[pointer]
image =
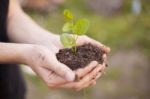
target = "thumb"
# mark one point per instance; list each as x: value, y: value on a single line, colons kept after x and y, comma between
x: 62, y: 70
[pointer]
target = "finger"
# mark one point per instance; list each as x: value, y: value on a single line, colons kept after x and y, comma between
x: 105, y: 59
x: 43, y: 73
x: 89, y: 84
x: 86, y: 85
x: 69, y: 85
x: 103, y: 67
x: 100, y: 45
x: 50, y: 78
x: 72, y: 85
x: 83, y: 71
x: 84, y: 80
x: 61, y: 69
x: 76, y: 85
x: 92, y: 84
x: 55, y: 79
x: 98, y: 75
x: 97, y: 70
x: 80, y: 84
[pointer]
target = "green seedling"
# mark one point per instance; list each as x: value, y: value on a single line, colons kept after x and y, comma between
x: 72, y: 29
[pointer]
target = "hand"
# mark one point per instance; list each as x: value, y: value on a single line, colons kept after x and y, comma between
x: 83, y: 72
x: 43, y: 61
x: 85, y: 40
x: 87, y: 77
x: 53, y: 73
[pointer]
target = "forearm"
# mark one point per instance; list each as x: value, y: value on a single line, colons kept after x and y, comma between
x: 12, y: 53
x: 22, y: 29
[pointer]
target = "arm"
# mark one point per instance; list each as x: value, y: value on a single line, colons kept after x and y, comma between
x: 22, y: 29
x: 12, y: 53
x: 41, y: 60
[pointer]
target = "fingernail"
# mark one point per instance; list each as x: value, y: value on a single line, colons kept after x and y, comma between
x: 70, y: 76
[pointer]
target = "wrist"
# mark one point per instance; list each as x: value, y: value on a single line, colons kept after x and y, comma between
x: 20, y: 52
x: 32, y: 54
x: 27, y: 53
x: 23, y: 54
x: 12, y: 53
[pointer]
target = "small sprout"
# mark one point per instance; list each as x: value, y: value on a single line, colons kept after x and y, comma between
x: 80, y: 27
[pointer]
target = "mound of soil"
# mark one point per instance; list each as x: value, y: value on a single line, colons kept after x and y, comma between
x: 83, y: 56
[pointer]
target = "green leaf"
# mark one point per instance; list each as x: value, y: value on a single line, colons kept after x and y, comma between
x: 67, y: 27
x: 68, y: 14
x: 67, y: 40
x: 81, y: 26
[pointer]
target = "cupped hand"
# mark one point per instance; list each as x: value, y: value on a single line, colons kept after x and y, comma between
x: 57, y: 75
x: 41, y: 59
x: 86, y: 76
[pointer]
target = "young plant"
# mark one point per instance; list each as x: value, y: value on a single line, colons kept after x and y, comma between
x: 72, y: 29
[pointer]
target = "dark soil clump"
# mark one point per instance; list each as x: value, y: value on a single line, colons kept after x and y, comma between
x: 83, y: 56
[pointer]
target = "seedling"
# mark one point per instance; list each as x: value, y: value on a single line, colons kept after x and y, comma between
x: 72, y: 29
x: 70, y: 32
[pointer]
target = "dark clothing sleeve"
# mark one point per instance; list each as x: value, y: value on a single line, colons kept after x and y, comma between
x: 3, y: 20
x: 11, y: 82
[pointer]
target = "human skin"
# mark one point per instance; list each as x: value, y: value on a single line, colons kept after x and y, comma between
x: 36, y: 47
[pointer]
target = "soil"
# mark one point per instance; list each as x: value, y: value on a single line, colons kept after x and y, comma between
x: 83, y: 56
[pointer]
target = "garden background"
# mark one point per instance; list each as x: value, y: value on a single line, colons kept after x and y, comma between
x: 123, y: 25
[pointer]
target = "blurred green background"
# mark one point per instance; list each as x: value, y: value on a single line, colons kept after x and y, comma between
x: 124, y: 25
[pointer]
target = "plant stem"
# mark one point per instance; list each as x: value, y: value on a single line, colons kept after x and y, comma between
x: 76, y: 37
x: 74, y: 43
